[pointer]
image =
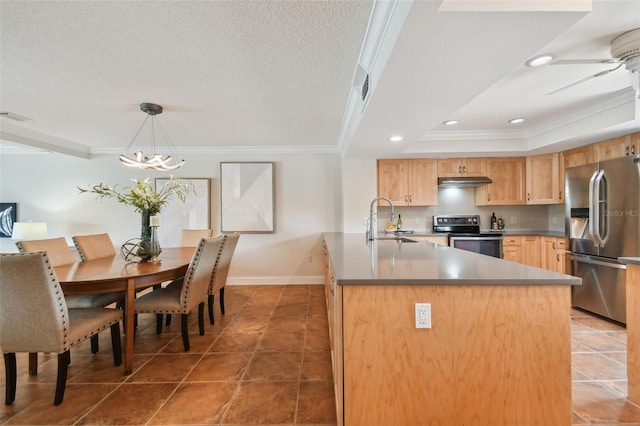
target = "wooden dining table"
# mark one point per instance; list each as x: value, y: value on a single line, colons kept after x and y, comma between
x: 113, y: 273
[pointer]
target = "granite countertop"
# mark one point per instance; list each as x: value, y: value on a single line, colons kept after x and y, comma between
x: 630, y: 260
x: 557, y: 234
x: 357, y: 261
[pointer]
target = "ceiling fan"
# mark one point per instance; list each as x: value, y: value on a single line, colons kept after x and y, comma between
x: 625, y: 50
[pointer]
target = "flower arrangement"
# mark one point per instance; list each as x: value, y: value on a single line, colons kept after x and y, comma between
x: 142, y: 196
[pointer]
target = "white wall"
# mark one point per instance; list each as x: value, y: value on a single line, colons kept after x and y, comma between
x: 307, y: 190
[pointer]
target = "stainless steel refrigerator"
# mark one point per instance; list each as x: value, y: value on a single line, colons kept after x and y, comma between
x: 603, y: 223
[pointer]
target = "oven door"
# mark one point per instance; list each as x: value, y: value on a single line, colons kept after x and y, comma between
x: 488, y: 245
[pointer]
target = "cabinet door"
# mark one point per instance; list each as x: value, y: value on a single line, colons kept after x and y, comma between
x: 449, y: 167
x: 549, y: 258
x: 393, y: 181
x: 511, y: 249
x: 508, y: 187
x: 543, y: 179
x: 613, y: 148
x: 474, y: 167
x: 579, y: 156
x: 435, y: 239
x: 531, y: 250
x: 423, y: 182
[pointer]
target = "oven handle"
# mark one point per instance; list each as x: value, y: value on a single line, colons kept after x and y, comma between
x: 451, y: 237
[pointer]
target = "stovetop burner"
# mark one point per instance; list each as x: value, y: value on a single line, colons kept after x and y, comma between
x: 457, y: 224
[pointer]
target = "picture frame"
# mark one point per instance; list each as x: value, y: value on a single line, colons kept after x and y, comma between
x: 194, y: 213
x: 247, y: 198
x: 8, y: 216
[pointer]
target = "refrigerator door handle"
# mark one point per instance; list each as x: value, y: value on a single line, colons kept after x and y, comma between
x: 592, y: 209
x: 603, y: 207
x: 597, y: 262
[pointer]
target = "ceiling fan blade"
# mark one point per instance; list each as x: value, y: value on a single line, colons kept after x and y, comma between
x: 584, y: 61
x: 575, y: 83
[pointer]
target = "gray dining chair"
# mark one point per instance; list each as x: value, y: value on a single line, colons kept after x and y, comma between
x: 192, y: 237
x: 192, y: 292
x: 34, y: 317
x: 60, y: 253
x: 221, y: 272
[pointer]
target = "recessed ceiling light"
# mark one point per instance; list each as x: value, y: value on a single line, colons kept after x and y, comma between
x: 540, y: 60
x: 397, y: 138
x: 516, y: 120
x: 451, y: 122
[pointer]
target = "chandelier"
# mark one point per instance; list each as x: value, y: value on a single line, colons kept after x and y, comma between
x: 156, y: 161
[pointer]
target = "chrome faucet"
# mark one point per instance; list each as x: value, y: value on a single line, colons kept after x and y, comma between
x: 370, y: 228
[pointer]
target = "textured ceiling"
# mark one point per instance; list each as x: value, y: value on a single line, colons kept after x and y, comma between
x: 278, y: 75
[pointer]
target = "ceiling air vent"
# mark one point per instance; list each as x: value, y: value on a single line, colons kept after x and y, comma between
x: 365, y: 87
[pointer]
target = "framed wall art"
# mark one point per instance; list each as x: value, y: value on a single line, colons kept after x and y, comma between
x: 247, y: 197
x: 8, y: 216
x: 194, y: 213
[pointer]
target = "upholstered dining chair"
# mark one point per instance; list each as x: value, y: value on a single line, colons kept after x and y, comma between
x: 59, y: 253
x: 221, y: 271
x: 192, y: 237
x: 94, y: 246
x: 181, y: 299
x: 35, y: 318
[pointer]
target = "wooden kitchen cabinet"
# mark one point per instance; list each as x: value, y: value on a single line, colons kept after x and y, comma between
x: 409, y: 182
x: 512, y: 248
x: 531, y: 250
x: 508, y: 187
x: 456, y: 167
x: 624, y: 146
x: 545, y: 184
x: 579, y: 156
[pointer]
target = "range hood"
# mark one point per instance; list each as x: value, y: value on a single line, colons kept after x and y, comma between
x: 463, y: 182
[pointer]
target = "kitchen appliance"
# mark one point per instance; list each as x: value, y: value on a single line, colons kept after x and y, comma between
x: 464, y: 233
x: 603, y: 222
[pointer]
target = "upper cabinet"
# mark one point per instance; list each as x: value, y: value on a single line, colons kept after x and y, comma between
x: 508, y: 187
x: 545, y: 179
x: 409, y: 182
x: 580, y: 156
x: 624, y: 146
x: 456, y: 167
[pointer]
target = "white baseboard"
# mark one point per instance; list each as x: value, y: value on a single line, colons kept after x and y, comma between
x: 292, y: 280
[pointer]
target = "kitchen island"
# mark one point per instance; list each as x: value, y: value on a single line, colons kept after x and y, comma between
x: 633, y: 327
x: 498, y: 351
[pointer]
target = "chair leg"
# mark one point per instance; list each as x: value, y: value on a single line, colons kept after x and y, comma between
x: 167, y: 322
x: 61, y: 383
x: 116, y: 344
x: 33, y: 363
x: 210, y: 303
x: 185, y: 332
x: 11, y: 374
x: 158, y: 323
x: 201, y: 318
x: 94, y: 344
x: 222, y: 300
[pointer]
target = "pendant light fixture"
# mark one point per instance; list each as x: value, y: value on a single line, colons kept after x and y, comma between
x: 156, y: 161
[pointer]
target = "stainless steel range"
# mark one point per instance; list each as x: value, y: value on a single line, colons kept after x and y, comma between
x: 464, y: 233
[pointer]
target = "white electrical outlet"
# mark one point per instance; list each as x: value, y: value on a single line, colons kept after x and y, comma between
x: 423, y: 315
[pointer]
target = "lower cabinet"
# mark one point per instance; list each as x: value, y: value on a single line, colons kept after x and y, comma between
x: 542, y: 252
x: 435, y: 239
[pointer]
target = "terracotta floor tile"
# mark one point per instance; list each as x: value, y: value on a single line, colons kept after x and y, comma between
x: 598, y: 367
x: 274, y: 366
x: 597, y: 404
x: 229, y: 341
x: 290, y: 311
x: 294, y: 299
x: 316, y: 365
x: 263, y: 403
x: 130, y: 404
x: 275, y: 340
x: 156, y: 369
x: 196, y: 403
x: 316, y: 340
x: 599, y: 342
x: 247, y: 325
x: 220, y: 366
x: 198, y: 344
x: 316, y: 403
x: 286, y: 324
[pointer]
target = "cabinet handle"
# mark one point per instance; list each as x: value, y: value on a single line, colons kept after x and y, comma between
x: 464, y: 169
x: 559, y: 195
x: 558, y: 258
x: 410, y: 198
x: 626, y: 150
x: 528, y: 197
x: 553, y: 244
x: 459, y: 169
x: 488, y: 196
x: 633, y: 149
x: 406, y: 198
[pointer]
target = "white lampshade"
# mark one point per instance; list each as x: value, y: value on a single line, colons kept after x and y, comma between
x: 29, y: 230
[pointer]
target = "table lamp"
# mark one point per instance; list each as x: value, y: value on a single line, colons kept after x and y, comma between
x: 29, y: 230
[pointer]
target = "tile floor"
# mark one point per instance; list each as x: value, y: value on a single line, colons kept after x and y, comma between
x: 265, y: 362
